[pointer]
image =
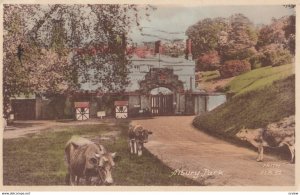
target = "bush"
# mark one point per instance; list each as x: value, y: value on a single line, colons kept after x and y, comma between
x: 277, y: 58
x: 234, y: 67
x: 275, y: 55
x: 239, y: 54
x: 256, y: 61
x: 208, y: 61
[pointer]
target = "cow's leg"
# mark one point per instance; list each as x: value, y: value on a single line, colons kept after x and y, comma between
x: 77, y: 180
x: 72, y: 179
x: 260, y: 153
x: 139, y: 148
x: 131, y: 146
x: 135, y: 146
x: 88, y: 180
x: 292, y: 150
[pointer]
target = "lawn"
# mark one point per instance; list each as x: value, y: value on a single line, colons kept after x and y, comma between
x: 252, y: 80
x: 38, y: 159
x: 259, y: 78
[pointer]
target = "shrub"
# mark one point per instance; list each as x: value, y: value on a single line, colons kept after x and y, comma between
x: 208, y: 61
x: 234, y: 67
x: 275, y: 55
x: 256, y: 61
x: 239, y: 54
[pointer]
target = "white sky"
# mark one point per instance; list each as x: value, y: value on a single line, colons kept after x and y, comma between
x: 178, y: 18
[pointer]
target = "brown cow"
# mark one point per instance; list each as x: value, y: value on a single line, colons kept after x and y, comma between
x: 87, y: 160
x: 274, y: 135
x: 137, y: 137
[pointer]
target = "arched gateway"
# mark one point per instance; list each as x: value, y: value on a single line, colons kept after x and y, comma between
x: 161, y: 103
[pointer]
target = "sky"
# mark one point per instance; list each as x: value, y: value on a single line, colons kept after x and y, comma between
x: 176, y: 19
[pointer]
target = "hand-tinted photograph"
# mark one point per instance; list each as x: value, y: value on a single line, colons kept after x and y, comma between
x: 148, y: 95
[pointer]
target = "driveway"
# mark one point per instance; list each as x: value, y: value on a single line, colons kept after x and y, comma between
x: 199, y: 156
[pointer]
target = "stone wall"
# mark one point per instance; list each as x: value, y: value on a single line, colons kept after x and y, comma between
x: 134, y: 106
x: 145, y: 102
x: 215, y: 101
x: 200, y: 104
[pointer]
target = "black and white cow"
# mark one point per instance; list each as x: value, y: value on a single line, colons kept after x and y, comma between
x: 137, y: 137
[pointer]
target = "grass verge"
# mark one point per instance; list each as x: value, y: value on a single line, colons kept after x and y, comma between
x: 253, y: 109
x: 39, y: 159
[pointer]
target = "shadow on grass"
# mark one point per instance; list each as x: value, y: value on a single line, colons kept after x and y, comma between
x: 38, y: 159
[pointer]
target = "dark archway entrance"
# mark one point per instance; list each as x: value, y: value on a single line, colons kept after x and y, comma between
x: 162, y: 103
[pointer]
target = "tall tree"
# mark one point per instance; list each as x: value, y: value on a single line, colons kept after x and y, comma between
x: 279, y: 35
x: 241, y: 37
x: 41, y: 44
x: 205, y: 35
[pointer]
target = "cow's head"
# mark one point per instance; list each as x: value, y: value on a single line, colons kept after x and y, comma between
x: 243, y: 134
x: 249, y: 134
x: 143, y: 134
x: 105, y: 163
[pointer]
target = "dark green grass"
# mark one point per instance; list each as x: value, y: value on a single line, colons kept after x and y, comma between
x: 39, y: 159
x: 254, y: 109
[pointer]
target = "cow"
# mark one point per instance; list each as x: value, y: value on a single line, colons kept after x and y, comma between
x: 88, y: 160
x: 137, y: 137
x: 268, y: 137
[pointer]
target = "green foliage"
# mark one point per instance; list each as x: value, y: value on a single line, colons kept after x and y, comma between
x: 281, y: 32
x: 205, y: 35
x: 240, y: 39
x: 276, y: 57
x: 50, y: 37
x: 252, y: 33
x: 259, y: 78
x: 271, y: 55
x: 254, y: 109
x: 241, y: 54
x: 290, y: 33
x: 234, y: 67
x: 256, y: 61
x: 39, y: 159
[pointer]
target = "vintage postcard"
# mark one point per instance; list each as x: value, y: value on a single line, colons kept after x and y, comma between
x: 149, y: 95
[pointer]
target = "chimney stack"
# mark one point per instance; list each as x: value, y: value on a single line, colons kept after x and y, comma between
x: 189, y: 49
x: 157, y: 47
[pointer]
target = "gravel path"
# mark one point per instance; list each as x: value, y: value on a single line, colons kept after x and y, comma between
x: 207, y: 159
